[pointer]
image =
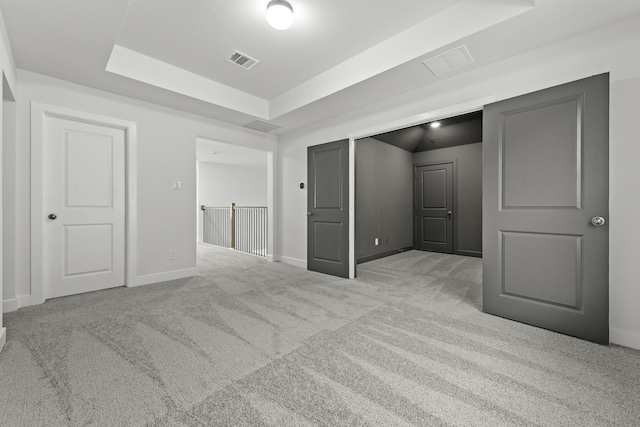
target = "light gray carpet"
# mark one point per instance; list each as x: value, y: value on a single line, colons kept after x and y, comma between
x: 251, y: 343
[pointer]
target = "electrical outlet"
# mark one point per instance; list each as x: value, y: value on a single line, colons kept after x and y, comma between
x: 172, y: 255
x: 376, y: 242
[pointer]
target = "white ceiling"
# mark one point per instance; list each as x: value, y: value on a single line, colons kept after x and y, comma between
x: 197, y: 35
x: 338, y: 56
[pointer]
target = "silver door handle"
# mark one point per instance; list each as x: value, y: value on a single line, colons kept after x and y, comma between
x: 598, y: 221
x: 309, y: 214
x: 449, y: 214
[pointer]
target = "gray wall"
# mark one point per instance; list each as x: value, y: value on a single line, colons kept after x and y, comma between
x: 384, y: 199
x: 468, y: 213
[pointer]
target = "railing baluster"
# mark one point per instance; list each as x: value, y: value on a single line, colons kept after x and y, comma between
x: 243, y: 228
x: 215, y: 226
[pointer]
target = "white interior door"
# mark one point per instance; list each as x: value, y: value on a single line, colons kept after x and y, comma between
x: 84, y: 223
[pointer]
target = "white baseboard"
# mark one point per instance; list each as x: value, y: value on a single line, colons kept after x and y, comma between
x: 293, y: 261
x: 625, y: 338
x: 16, y: 303
x: 163, y: 277
x: 3, y: 337
x: 10, y: 305
x: 24, y: 301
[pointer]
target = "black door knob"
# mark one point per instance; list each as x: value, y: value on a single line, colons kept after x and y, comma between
x: 53, y: 216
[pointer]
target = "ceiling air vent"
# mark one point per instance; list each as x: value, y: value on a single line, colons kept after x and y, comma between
x: 242, y: 60
x: 261, y: 126
x: 449, y: 61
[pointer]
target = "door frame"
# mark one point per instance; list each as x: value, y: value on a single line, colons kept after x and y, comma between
x: 454, y: 195
x: 439, y: 114
x: 39, y: 113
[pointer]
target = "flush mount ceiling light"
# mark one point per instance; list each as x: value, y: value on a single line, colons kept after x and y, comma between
x: 435, y: 124
x: 280, y: 14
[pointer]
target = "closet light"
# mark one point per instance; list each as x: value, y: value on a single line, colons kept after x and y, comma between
x: 280, y: 14
x: 435, y: 124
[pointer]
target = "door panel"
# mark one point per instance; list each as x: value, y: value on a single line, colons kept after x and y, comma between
x: 434, y: 230
x: 558, y: 283
x: 328, y: 208
x: 88, y: 249
x: 328, y: 245
x: 89, y: 171
x: 434, y: 188
x: 545, y: 177
x: 327, y: 181
x: 434, y: 207
x: 85, y: 190
x: 548, y: 136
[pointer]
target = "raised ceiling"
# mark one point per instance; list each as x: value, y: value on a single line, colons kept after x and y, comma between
x: 197, y: 35
x: 338, y: 56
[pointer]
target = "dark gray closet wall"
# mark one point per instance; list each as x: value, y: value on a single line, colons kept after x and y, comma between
x: 468, y: 213
x: 384, y: 199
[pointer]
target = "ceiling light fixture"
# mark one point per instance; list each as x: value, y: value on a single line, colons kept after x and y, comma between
x: 280, y: 14
x: 435, y: 124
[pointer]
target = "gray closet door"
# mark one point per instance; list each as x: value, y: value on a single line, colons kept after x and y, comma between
x: 434, y: 206
x: 328, y: 208
x: 545, y: 206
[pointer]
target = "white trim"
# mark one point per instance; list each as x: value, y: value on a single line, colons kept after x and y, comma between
x: 352, y: 208
x: 16, y: 303
x: 441, y: 113
x: 38, y: 114
x: 293, y: 261
x: 272, y: 196
x: 625, y: 338
x: 3, y: 337
x: 131, y: 206
x: 199, y: 211
x: 24, y: 301
x: 163, y: 277
x: 9, y: 305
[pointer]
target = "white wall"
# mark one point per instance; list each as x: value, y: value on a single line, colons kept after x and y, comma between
x: 166, y: 153
x: 8, y: 72
x: 221, y: 184
x: 609, y: 49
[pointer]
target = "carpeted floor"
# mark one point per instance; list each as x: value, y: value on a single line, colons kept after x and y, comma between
x: 251, y: 343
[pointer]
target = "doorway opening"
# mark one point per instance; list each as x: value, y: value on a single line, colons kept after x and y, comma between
x: 420, y: 187
x: 232, y: 202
